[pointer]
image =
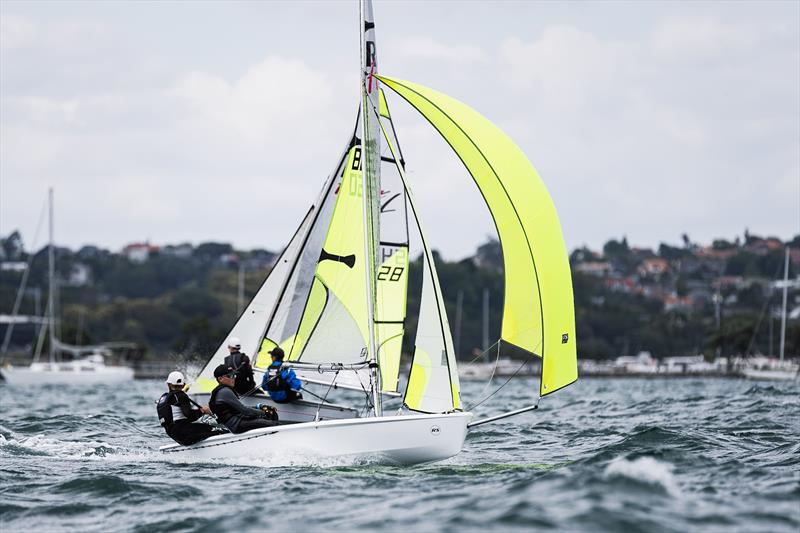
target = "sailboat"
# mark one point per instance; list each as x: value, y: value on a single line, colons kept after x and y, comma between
x: 768, y: 370
x: 88, y: 363
x: 335, y: 301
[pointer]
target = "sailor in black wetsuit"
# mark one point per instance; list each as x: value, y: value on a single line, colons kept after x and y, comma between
x: 245, y: 382
x: 176, y: 413
x: 225, y: 404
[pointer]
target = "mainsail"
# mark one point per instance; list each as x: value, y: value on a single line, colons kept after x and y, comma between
x: 538, y: 310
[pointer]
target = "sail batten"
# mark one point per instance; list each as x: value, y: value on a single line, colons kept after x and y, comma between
x: 538, y: 313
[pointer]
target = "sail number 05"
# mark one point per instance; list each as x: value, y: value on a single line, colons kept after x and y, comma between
x: 387, y: 273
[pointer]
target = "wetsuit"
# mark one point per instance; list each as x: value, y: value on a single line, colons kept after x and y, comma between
x: 236, y: 416
x: 176, y: 414
x: 282, y: 384
x: 245, y: 382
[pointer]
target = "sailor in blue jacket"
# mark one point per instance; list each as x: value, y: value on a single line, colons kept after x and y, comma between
x: 282, y: 384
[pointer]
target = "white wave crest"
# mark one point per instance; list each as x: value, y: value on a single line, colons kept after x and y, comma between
x: 41, y: 445
x: 647, y: 470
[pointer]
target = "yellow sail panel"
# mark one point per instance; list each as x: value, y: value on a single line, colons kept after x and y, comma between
x: 264, y: 358
x: 538, y: 311
x: 340, y: 269
x: 390, y: 314
x: 317, y: 299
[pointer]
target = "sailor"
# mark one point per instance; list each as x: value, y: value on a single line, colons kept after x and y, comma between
x: 224, y: 403
x: 176, y: 413
x: 281, y: 383
x: 245, y: 383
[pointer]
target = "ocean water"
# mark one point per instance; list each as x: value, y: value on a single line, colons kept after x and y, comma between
x: 602, y: 455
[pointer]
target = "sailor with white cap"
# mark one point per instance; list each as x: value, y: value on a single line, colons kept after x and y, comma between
x: 176, y: 412
x: 240, y: 363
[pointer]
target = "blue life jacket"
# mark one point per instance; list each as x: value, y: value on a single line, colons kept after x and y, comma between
x: 279, y: 381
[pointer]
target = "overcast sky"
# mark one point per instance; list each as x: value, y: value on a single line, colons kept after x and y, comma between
x: 197, y: 121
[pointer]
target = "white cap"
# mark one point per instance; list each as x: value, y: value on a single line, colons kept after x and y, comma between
x: 234, y: 342
x: 176, y: 378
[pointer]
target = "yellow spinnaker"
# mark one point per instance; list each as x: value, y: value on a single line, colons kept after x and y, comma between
x: 538, y: 311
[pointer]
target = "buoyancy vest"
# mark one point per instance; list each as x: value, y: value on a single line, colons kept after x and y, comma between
x: 164, y: 410
x: 244, y: 379
x: 220, y: 409
x: 276, y: 381
x: 234, y: 360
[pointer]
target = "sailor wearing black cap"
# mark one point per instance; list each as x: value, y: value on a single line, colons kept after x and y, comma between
x: 281, y: 383
x: 224, y: 403
x: 176, y: 412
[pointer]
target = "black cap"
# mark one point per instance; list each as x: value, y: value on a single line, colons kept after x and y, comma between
x: 277, y: 353
x: 222, y: 370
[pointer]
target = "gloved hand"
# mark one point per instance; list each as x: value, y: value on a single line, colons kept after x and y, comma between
x: 269, y: 412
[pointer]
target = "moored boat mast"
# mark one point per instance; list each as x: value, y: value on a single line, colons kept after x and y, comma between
x: 51, y: 269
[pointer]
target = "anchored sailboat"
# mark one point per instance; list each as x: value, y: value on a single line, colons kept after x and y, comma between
x: 335, y: 301
x: 88, y: 363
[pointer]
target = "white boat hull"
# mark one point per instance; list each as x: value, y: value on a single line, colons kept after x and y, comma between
x: 66, y: 374
x: 771, y: 375
x: 394, y: 439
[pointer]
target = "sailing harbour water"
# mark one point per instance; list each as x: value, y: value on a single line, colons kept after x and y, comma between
x: 603, y: 455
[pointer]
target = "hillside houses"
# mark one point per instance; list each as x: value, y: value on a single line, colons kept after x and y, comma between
x: 687, y: 278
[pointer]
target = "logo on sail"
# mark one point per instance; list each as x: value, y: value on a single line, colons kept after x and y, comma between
x: 349, y: 260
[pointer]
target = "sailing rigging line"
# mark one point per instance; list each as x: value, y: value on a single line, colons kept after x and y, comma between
x: 524, y: 362
x: 319, y: 406
x: 494, y: 369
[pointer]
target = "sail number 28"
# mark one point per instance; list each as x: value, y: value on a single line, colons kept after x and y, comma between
x: 387, y: 273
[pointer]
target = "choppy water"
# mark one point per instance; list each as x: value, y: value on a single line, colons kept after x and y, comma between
x: 602, y: 455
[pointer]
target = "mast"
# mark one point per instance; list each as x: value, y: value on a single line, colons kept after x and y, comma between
x: 783, y: 309
x: 51, y: 267
x: 366, y: 185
